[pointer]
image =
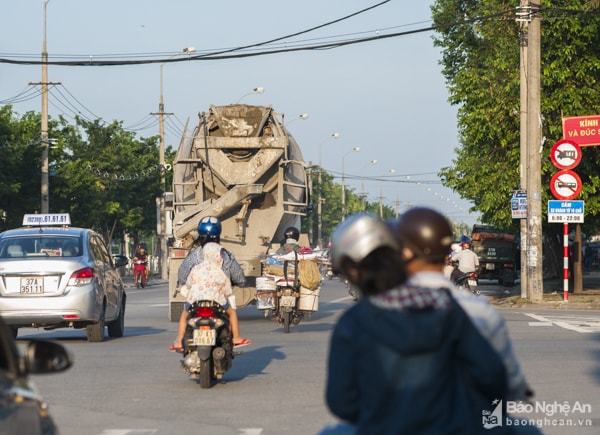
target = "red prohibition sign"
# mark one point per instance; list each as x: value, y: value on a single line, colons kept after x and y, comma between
x: 565, y: 154
x: 565, y: 185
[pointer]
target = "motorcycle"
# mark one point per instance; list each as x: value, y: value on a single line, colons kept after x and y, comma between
x: 207, y: 343
x: 468, y: 281
x: 139, y: 273
x: 352, y: 291
x: 287, y: 311
x: 282, y: 296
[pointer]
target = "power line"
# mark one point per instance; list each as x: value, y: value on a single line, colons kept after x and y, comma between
x: 285, y: 48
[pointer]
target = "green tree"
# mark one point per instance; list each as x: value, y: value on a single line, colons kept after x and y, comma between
x: 481, y: 59
x: 104, y: 176
x: 110, y: 179
x: 20, y: 174
x: 331, y: 211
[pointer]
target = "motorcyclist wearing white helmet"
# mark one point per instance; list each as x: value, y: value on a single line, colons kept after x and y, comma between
x: 404, y: 359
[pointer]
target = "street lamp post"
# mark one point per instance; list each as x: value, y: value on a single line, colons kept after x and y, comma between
x: 302, y: 116
x: 161, y: 161
x: 391, y: 171
x: 362, y: 184
x: 319, y: 205
x: 353, y: 150
x: 257, y: 90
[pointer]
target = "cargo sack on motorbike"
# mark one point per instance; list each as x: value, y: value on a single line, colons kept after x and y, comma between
x: 274, y: 266
x: 309, y: 274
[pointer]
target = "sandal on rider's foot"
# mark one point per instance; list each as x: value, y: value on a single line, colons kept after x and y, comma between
x: 244, y: 342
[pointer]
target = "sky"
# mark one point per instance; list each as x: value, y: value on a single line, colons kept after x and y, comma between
x: 386, y: 96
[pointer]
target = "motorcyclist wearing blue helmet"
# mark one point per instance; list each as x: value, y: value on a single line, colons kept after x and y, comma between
x: 209, y: 231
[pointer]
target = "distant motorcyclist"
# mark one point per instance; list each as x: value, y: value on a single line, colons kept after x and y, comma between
x: 142, y: 256
x: 290, y: 242
x: 467, y: 261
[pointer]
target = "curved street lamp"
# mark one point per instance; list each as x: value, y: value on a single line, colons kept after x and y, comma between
x: 257, y: 90
x: 319, y: 204
x: 391, y: 171
x: 353, y: 150
x: 302, y: 116
x: 362, y: 183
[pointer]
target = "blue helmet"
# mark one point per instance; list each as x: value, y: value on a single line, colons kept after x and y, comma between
x: 209, y: 229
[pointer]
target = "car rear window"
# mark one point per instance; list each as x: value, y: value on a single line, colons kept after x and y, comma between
x: 40, y: 246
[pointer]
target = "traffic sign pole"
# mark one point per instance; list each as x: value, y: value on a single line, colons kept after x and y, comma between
x: 565, y: 185
x: 566, y: 262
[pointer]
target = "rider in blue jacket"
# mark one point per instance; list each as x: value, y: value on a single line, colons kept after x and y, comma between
x: 405, y: 359
x: 209, y: 230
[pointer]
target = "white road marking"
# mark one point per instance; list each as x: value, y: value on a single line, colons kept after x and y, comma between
x: 582, y: 324
x: 128, y: 431
x: 335, y: 301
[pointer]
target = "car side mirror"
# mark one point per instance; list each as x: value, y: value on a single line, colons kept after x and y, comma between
x: 120, y: 260
x: 43, y: 356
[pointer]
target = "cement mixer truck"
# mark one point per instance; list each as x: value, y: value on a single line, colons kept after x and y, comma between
x: 241, y: 165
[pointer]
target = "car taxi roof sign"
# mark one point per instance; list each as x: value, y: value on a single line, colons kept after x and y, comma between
x: 47, y: 219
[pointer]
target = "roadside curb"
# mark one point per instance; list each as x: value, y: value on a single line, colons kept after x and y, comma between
x: 588, y: 299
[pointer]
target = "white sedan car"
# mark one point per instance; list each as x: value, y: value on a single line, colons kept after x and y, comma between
x: 57, y: 276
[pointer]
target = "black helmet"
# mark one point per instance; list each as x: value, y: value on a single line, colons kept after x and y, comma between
x: 209, y: 229
x: 426, y: 232
x: 292, y: 233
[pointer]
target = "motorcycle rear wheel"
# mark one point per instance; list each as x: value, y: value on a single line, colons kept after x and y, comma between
x: 206, y: 373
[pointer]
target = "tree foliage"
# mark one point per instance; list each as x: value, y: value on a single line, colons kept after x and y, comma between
x: 104, y: 176
x: 331, y: 210
x: 480, y: 40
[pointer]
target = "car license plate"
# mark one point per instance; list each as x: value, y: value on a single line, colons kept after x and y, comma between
x: 205, y: 337
x: 490, y: 266
x: 31, y: 286
x: 288, y: 301
x: 472, y: 283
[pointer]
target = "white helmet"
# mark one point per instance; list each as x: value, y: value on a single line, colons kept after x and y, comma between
x: 357, y: 237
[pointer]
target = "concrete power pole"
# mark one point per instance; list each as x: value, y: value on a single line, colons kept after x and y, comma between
x: 534, y: 147
x: 523, y: 18
x: 45, y: 194
x: 310, y: 213
x: 162, y: 236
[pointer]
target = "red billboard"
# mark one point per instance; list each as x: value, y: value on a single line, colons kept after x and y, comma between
x: 583, y: 130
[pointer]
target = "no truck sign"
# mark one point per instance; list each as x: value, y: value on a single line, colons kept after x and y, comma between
x: 565, y: 154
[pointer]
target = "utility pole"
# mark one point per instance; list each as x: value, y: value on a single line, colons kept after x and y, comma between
x: 161, y: 161
x: 534, y: 145
x: 45, y: 194
x: 310, y: 213
x: 523, y: 17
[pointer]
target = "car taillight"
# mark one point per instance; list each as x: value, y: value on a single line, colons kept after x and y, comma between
x: 204, y: 312
x: 81, y: 277
x: 508, y: 265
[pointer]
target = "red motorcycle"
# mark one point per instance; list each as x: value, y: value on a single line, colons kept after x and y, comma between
x: 140, y: 277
